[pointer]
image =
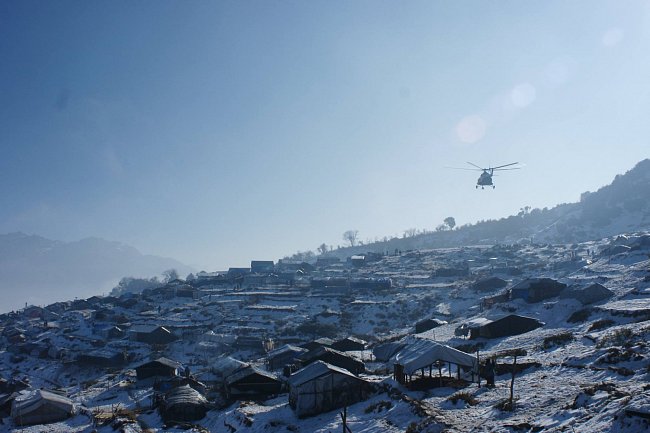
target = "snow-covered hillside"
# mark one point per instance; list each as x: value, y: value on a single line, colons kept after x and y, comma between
x: 586, y: 369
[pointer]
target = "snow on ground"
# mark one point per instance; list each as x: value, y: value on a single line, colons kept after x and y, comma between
x: 588, y: 366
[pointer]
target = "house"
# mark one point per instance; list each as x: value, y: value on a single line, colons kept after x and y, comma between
x: 321, y: 387
x: 40, y: 407
x: 588, y: 295
x: 489, y: 284
x: 186, y: 291
x: 252, y: 382
x: 512, y: 324
x: 225, y: 366
x: 262, y: 266
x: 161, y: 367
x: 536, y: 289
x: 371, y: 283
x: 323, y: 262
x: 102, y: 358
x: 112, y: 332
x: 286, y: 354
x: 184, y: 404
x: 427, y: 324
x: 238, y: 272
x: 357, y: 260
x: 252, y: 343
x: 451, y: 272
x: 349, y: 344
x: 319, y: 342
x: 333, y: 357
x: 151, y: 334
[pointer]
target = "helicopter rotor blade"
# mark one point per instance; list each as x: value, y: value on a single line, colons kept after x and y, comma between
x: 503, y: 169
x: 464, y: 168
x: 506, y: 165
x: 474, y: 165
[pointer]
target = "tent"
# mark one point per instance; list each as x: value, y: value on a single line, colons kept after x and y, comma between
x: 286, y: 354
x: 593, y: 293
x: 183, y: 404
x: 490, y: 283
x: 427, y: 324
x: 252, y: 382
x: 512, y: 324
x: 424, y: 353
x: 321, y: 387
x: 537, y: 289
x: 223, y: 367
x: 333, y: 357
x: 349, y: 344
x: 40, y: 407
x: 385, y: 351
x: 162, y: 367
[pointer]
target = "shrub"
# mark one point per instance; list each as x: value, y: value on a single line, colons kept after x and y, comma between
x: 379, y: 406
x: 464, y: 396
x: 620, y: 337
x: 600, y: 324
x: 557, y: 339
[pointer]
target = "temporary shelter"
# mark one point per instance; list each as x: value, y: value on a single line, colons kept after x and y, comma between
x: 490, y: 283
x: 334, y: 357
x: 152, y: 334
x: 512, y: 324
x: 537, y: 289
x: 286, y: 354
x: 226, y: 365
x: 183, y: 403
x: 161, y: 367
x: 40, y: 407
x: 427, y: 324
x: 424, y: 353
x: 349, y: 344
x: 385, y: 351
x: 593, y: 293
x: 321, y: 387
x: 251, y: 382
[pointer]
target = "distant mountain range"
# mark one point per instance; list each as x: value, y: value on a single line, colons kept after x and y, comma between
x: 39, y: 271
x: 621, y: 207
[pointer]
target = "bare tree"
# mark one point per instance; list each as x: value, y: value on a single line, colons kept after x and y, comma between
x: 170, y: 275
x: 351, y: 237
x: 322, y: 249
x: 409, y: 233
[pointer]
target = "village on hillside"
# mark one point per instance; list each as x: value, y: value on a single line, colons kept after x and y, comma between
x: 504, y: 338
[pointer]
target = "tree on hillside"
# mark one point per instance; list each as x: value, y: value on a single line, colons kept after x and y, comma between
x: 301, y: 256
x: 450, y: 222
x: 134, y: 285
x: 351, y: 237
x: 170, y: 275
x: 322, y: 249
x: 409, y: 233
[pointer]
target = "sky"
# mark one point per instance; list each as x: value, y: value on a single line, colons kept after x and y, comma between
x: 222, y: 132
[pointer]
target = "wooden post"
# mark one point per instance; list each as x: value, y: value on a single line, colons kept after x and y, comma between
x: 478, y: 368
x: 344, y: 418
x: 512, y: 382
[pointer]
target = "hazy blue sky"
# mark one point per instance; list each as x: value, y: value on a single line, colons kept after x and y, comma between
x: 219, y: 132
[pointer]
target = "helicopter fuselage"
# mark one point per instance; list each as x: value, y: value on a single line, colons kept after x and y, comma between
x: 485, y: 179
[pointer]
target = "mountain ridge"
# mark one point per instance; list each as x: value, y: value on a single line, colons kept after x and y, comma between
x: 621, y: 206
x: 37, y: 270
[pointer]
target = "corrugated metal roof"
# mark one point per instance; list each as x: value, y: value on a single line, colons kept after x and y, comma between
x: 314, y: 371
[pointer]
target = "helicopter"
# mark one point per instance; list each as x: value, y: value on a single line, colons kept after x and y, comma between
x: 485, y: 179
